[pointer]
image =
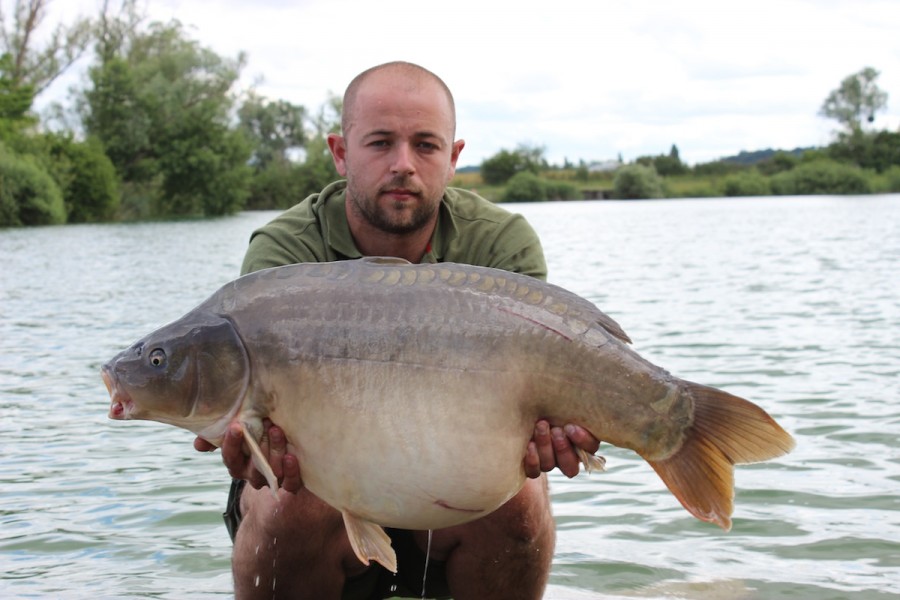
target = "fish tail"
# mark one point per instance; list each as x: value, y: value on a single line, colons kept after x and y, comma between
x: 726, y: 430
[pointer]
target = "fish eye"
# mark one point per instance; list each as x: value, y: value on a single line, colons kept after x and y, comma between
x: 158, y: 357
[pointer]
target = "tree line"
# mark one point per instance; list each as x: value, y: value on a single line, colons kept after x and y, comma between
x: 158, y: 130
x: 860, y: 160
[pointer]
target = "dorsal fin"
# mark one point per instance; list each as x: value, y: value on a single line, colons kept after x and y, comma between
x: 385, y: 260
x: 613, y: 328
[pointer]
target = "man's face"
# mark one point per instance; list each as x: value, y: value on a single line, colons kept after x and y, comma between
x: 397, y: 153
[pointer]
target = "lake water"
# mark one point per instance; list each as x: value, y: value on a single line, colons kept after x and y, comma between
x: 791, y: 302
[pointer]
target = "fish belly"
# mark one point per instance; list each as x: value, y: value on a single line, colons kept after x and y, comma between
x: 444, y: 448
x: 411, y: 391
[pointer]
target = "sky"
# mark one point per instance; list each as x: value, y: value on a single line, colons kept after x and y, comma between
x: 584, y: 79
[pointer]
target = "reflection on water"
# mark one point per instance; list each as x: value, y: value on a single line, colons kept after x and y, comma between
x: 792, y: 303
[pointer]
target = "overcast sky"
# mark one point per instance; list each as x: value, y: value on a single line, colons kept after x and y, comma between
x: 586, y: 79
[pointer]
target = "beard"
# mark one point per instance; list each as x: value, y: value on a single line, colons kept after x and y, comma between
x: 396, y: 218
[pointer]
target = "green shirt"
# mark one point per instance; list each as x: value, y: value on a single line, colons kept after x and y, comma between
x: 469, y: 230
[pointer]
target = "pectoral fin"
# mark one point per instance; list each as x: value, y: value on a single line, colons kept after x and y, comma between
x: 259, y: 461
x: 591, y: 462
x: 369, y: 541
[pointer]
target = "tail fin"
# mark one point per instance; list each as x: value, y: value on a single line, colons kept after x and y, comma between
x: 726, y: 430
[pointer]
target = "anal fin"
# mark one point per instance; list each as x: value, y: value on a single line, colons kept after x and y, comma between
x: 369, y: 541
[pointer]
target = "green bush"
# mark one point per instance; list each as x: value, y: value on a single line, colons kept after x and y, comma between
x: 278, y: 186
x: 746, y: 183
x: 28, y: 194
x: 88, y: 180
x: 821, y: 177
x: 892, y: 177
x: 140, y: 200
x: 498, y: 169
x: 637, y: 181
x: 697, y: 189
x: 716, y: 168
x: 877, y: 151
x: 525, y: 186
x: 778, y: 163
x: 560, y: 190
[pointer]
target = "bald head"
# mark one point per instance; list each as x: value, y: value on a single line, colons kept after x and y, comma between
x: 409, y: 76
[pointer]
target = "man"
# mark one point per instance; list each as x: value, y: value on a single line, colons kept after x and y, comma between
x: 398, y: 154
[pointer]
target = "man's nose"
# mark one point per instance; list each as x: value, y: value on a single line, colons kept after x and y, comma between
x: 402, y: 163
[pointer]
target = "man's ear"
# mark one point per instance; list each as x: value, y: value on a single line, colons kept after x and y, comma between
x: 338, y: 147
x: 458, y: 145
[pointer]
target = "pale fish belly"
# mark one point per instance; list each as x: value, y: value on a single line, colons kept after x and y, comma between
x: 413, y: 456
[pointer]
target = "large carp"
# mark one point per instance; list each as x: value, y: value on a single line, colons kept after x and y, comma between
x: 379, y: 371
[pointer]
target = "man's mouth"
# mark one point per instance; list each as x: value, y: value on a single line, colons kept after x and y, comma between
x: 401, y: 193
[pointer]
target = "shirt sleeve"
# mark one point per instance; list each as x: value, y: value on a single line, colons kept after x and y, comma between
x: 265, y: 252
x: 516, y: 247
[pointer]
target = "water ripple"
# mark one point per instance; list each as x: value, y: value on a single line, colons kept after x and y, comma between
x: 784, y: 301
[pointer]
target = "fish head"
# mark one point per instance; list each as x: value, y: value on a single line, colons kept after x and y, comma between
x: 192, y: 373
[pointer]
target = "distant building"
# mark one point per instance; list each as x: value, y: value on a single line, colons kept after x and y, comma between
x: 596, y: 194
x: 604, y: 166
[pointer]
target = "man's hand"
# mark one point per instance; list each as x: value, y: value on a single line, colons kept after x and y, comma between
x: 274, y: 447
x: 552, y: 447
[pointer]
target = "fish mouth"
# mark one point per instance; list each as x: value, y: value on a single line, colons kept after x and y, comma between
x: 121, y: 405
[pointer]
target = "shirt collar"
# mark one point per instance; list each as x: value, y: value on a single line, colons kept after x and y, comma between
x: 335, y: 228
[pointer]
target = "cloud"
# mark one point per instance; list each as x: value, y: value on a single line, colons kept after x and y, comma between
x: 585, y: 78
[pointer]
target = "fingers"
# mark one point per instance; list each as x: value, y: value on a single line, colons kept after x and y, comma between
x: 555, y: 447
x: 545, y: 451
x: 292, y: 481
x: 274, y: 447
x: 201, y: 445
x: 566, y: 459
x: 233, y: 455
x: 581, y: 437
x: 532, y: 461
x: 277, y: 448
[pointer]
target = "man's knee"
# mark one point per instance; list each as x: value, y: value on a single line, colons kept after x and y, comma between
x: 525, y: 521
x: 296, y: 541
x: 286, y: 514
x: 315, y: 530
x: 528, y: 517
x: 506, y: 554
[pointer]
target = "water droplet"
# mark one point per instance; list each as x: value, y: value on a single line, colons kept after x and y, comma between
x: 257, y: 581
